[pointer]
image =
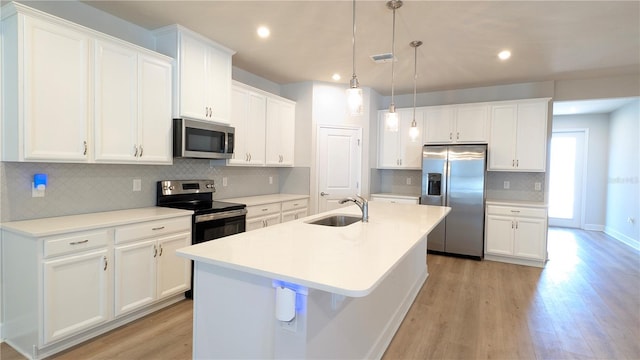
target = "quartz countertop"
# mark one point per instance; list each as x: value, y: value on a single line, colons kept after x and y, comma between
x: 399, y: 196
x: 65, y: 224
x: 350, y: 260
x: 265, y: 199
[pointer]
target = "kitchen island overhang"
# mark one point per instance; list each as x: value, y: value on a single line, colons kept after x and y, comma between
x: 355, y: 285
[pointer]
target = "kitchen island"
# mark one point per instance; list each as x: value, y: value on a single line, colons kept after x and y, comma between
x: 353, y: 285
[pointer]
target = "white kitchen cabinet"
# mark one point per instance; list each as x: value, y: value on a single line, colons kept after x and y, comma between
x: 259, y: 216
x: 399, y: 199
x: 280, y: 132
x: 203, y: 74
x: 248, y: 110
x: 516, y: 234
x: 147, y: 268
x: 294, y: 209
x: 76, y: 288
x: 396, y: 149
x: 46, y: 89
x: 132, y: 105
x: 456, y: 124
x: 65, y: 278
x: 518, y: 136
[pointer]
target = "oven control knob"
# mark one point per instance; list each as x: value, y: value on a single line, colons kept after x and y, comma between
x: 209, y: 186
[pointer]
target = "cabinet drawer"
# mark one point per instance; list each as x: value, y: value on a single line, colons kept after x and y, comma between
x: 295, y: 204
x: 152, y: 228
x: 75, y: 242
x: 516, y: 211
x: 259, y: 210
x: 394, y: 200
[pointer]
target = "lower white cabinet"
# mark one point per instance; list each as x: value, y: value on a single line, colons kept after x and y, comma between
x: 295, y: 209
x: 147, y: 268
x: 268, y: 210
x: 399, y: 199
x: 516, y: 234
x: 259, y: 216
x: 76, y: 292
x: 70, y: 278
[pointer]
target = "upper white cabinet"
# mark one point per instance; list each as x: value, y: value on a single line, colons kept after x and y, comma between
x: 132, y: 105
x: 46, y: 90
x: 396, y: 149
x: 452, y: 124
x: 75, y: 95
x: 248, y: 117
x: 264, y: 126
x: 519, y: 136
x: 280, y: 132
x: 203, y: 74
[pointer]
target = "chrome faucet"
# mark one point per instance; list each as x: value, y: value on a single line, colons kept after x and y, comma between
x: 363, y: 204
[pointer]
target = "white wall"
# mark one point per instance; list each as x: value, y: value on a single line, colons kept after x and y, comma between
x: 595, y: 199
x: 624, y: 171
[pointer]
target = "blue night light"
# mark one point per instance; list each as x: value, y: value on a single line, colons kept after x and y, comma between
x: 40, y: 181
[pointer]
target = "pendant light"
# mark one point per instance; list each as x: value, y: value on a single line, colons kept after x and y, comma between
x: 391, y: 118
x: 413, y: 131
x: 354, y: 92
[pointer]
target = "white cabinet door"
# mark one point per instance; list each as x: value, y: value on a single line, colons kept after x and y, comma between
x: 499, y: 239
x: 116, y: 102
x: 154, y: 111
x: 439, y: 124
x: 280, y: 132
x: 253, y: 224
x: 219, y: 85
x: 135, y: 275
x: 194, y: 97
x: 410, y: 152
x: 294, y: 215
x: 388, y: 145
x: 503, y: 137
x: 173, y: 272
x: 529, y: 238
x: 531, y: 150
x: 76, y: 294
x: 471, y: 123
x: 248, y: 111
x: 56, y: 92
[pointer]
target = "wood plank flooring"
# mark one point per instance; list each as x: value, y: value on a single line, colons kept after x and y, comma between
x: 585, y: 304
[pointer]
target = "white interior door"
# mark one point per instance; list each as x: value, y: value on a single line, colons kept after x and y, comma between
x: 339, y: 170
x: 566, y: 178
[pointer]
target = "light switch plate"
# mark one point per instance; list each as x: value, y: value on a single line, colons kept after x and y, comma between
x: 137, y: 185
x: 224, y: 181
x: 507, y: 185
x: 537, y: 186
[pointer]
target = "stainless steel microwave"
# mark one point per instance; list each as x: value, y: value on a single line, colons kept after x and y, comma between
x: 202, y: 139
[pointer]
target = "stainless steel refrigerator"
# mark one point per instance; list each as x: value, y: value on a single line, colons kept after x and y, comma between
x: 454, y: 176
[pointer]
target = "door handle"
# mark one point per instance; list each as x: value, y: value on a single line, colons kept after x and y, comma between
x: 324, y: 194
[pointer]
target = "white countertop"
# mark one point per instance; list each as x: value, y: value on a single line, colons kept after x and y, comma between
x: 265, y: 199
x: 350, y: 260
x: 65, y: 224
x: 535, y: 204
x: 397, y: 196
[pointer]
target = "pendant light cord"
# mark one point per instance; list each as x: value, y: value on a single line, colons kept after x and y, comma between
x: 393, y: 53
x: 415, y: 80
x: 353, y: 39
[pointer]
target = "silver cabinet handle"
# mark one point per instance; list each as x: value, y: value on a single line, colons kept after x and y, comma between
x: 105, y: 263
x: 450, y: 136
x: 135, y: 148
x: 516, y: 225
x: 512, y: 224
x: 324, y: 194
x: 513, y: 163
x: 79, y: 242
x: 515, y: 211
x: 158, y: 228
x: 141, y: 150
x: 249, y: 156
x: 458, y: 136
x: 155, y: 251
x: 517, y: 163
x: 160, y: 250
x: 85, y: 148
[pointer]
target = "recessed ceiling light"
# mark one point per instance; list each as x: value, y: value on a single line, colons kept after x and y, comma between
x: 336, y: 77
x: 263, y: 32
x: 504, y: 54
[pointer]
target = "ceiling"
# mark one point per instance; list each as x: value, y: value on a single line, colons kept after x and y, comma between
x: 311, y: 40
x: 599, y: 106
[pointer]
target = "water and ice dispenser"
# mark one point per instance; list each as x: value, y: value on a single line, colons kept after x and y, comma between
x: 434, y: 186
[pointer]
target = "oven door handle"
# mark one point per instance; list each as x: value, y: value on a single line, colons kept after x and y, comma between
x: 220, y: 215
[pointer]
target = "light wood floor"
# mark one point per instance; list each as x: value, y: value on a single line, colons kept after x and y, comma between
x: 584, y: 304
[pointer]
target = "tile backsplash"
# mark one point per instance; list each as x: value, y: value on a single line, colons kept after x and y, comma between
x: 521, y: 186
x: 84, y: 188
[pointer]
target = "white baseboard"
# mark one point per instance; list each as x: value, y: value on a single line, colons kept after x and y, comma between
x: 635, y: 244
x: 593, y: 227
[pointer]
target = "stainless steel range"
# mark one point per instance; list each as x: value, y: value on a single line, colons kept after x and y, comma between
x: 211, y: 219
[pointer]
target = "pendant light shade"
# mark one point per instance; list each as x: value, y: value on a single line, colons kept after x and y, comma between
x: 413, y: 131
x: 354, y: 92
x: 391, y: 118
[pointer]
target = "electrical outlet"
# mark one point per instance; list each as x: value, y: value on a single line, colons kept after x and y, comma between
x: 270, y: 180
x: 290, y: 325
x: 137, y: 185
x: 224, y: 181
x: 537, y: 186
x: 408, y: 181
x: 507, y: 185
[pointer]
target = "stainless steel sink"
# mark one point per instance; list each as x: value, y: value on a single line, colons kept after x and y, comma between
x: 336, y: 220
